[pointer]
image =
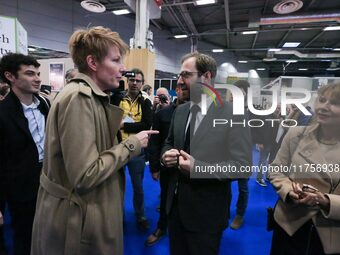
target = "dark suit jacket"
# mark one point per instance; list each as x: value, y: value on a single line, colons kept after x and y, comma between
x: 161, y: 122
x: 203, y: 204
x: 19, y: 159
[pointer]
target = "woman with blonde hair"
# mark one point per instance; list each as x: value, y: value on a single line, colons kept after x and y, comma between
x: 308, y: 211
x: 80, y: 200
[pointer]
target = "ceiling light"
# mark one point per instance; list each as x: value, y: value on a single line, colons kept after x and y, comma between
x: 32, y: 49
x: 260, y: 69
x: 269, y: 59
x: 291, y: 61
x: 243, y: 61
x: 336, y: 49
x: 180, y: 36
x: 303, y: 69
x: 204, y: 2
x: 287, y: 6
x: 331, y: 28
x: 121, y: 12
x: 93, y: 6
x: 333, y: 69
x: 249, y: 32
x: 291, y: 44
x: 217, y: 50
x: 274, y: 49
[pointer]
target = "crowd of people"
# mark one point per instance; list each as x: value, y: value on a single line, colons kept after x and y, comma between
x: 62, y: 176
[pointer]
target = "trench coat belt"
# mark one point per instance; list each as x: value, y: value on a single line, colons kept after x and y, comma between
x: 74, y: 221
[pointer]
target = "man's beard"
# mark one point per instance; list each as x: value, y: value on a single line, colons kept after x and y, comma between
x: 196, y: 92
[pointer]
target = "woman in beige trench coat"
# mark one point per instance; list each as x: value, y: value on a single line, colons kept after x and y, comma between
x: 308, y: 211
x: 80, y: 201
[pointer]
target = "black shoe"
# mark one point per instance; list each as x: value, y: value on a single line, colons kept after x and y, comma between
x: 155, y: 237
x: 143, y: 224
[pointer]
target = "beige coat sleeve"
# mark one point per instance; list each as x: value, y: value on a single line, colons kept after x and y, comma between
x: 278, y: 179
x: 334, y: 209
x: 86, y: 166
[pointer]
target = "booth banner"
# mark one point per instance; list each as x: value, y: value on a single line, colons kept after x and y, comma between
x: 56, y: 76
x: 13, y: 36
x: 7, y: 35
x: 21, y: 34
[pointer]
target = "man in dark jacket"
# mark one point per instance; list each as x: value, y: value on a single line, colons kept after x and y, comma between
x: 22, y: 133
x: 197, y: 202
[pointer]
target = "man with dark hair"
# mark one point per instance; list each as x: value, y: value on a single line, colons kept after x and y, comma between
x: 22, y: 134
x: 137, y: 117
x: 198, y: 204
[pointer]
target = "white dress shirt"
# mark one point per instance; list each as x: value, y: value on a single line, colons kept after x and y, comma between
x: 36, y: 125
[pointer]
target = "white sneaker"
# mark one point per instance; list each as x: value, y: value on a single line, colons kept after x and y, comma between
x: 261, y: 182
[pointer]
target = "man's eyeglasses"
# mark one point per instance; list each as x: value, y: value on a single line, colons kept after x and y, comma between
x: 185, y: 74
x: 132, y: 80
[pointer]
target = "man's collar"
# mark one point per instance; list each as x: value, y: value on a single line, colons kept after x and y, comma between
x: 127, y: 95
x: 33, y: 105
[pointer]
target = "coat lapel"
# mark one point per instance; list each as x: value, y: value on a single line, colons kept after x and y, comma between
x: 181, y: 124
x: 206, y: 124
x: 310, y: 151
x: 17, y: 114
x: 114, y: 115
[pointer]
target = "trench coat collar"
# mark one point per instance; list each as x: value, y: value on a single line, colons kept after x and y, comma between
x: 96, y: 90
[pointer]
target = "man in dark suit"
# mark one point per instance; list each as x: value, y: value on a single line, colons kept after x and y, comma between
x: 22, y: 132
x: 161, y: 122
x: 198, y: 204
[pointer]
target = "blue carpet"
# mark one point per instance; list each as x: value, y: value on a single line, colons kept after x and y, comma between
x: 251, y: 238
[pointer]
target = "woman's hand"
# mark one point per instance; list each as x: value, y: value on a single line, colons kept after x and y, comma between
x: 144, y: 137
x: 306, y: 198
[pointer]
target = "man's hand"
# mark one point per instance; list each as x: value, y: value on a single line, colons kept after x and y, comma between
x: 155, y: 101
x: 144, y: 136
x: 169, y: 158
x: 158, y: 104
x: 185, y: 161
x: 155, y: 176
x: 46, y: 94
